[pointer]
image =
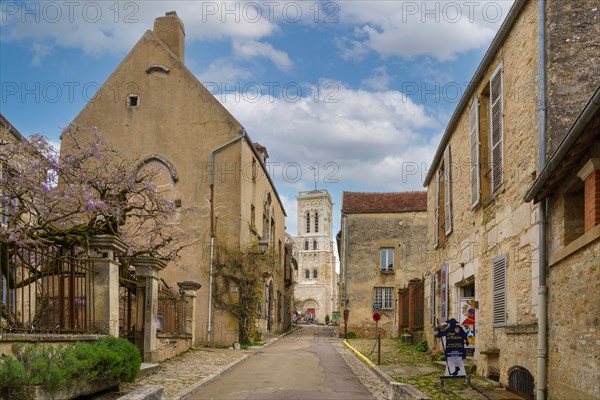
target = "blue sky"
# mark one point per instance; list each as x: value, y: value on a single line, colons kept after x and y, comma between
x: 362, y: 90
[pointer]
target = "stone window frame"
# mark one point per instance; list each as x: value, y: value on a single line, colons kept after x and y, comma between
x: 475, y: 166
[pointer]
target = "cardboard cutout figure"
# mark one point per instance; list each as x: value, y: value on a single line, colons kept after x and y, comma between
x: 453, y: 340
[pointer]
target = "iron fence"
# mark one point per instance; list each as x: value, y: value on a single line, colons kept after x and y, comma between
x: 45, y: 290
x: 172, y: 311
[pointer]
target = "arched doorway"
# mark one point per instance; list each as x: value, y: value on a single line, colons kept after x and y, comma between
x: 521, y: 381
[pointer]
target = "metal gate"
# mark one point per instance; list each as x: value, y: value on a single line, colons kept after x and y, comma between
x: 521, y: 381
x: 131, y: 318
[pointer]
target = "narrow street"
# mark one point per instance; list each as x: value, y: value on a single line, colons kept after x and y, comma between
x: 303, y: 365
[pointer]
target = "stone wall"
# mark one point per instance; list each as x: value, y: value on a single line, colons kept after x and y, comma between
x: 574, y: 314
x: 406, y: 233
x: 573, y: 56
x: 501, y: 224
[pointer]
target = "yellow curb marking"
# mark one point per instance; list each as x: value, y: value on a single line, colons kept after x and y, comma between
x: 359, y: 354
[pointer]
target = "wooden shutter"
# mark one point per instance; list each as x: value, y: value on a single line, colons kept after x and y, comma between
x: 499, y: 290
x: 436, y: 211
x: 475, y: 162
x: 432, y: 299
x: 447, y: 192
x: 496, y: 141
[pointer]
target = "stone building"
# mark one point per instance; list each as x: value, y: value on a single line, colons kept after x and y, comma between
x: 485, y: 253
x: 381, y: 244
x: 570, y: 183
x: 316, y: 283
x: 154, y: 108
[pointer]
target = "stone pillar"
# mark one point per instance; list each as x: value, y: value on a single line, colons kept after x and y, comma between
x: 148, y: 269
x: 103, y: 252
x: 590, y: 175
x: 188, y: 291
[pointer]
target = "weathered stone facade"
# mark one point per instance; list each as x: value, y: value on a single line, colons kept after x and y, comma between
x: 573, y: 56
x: 365, y: 232
x: 569, y: 186
x: 162, y: 114
x: 316, y: 281
x: 491, y: 246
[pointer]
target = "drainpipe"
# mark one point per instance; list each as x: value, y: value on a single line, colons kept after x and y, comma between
x: 543, y: 207
x: 346, y: 231
x: 212, y: 228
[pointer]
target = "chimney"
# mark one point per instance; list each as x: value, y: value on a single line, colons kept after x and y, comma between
x: 170, y: 30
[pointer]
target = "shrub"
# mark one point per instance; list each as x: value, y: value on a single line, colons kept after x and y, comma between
x: 421, y: 347
x: 110, y: 359
x: 351, y: 335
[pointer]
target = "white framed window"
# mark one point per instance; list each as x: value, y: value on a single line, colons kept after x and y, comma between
x: 475, y: 159
x: 386, y: 259
x: 384, y: 298
x: 499, y: 290
x: 496, y: 128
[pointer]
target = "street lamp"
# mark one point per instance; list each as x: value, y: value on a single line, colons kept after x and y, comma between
x: 263, y: 245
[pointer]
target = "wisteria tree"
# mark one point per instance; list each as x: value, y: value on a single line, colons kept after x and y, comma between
x: 49, y: 198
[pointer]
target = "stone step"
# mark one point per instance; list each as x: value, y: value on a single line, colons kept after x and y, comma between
x: 147, y: 369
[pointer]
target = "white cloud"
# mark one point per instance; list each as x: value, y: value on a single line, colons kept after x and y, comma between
x: 380, y: 80
x: 358, y: 138
x: 113, y: 27
x: 249, y: 49
x: 40, y: 51
x: 440, y: 29
x: 223, y: 70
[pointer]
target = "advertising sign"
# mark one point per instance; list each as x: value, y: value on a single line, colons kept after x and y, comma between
x: 468, y: 305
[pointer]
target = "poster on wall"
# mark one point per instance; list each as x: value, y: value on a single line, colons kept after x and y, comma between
x: 468, y: 305
x: 444, y: 292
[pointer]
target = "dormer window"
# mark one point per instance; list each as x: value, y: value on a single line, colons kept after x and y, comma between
x: 133, y: 100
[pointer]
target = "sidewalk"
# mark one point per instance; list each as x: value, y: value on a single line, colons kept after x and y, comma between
x: 184, y: 374
x: 402, y: 363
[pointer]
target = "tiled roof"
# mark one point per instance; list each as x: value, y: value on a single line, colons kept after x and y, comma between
x: 384, y: 202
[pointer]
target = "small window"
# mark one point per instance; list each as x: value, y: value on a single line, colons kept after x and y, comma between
x: 315, y: 273
x: 316, y: 222
x: 306, y: 245
x: 133, y: 100
x: 386, y: 259
x: 252, y: 216
x: 384, y: 298
x: 314, y: 245
x: 306, y: 274
x: 254, y: 173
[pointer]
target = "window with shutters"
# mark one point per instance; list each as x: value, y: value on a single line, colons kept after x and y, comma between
x: 447, y: 192
x: 475, y: 165
x: 436, y: 212
x: 384, y: 298
x: 496, y: 128
x: 499, y: 290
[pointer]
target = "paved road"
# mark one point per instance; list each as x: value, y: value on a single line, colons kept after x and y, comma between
x: 303, y: 365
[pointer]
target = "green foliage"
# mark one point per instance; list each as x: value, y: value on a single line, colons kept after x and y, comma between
x: 110, y: 359
x: 327, y: 319
x: 421, y: 347
x: 248, y: 271
x: 351, y: 335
